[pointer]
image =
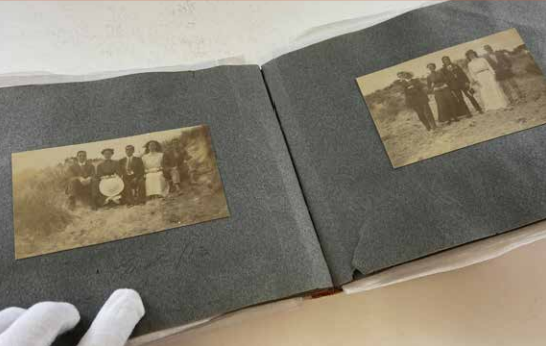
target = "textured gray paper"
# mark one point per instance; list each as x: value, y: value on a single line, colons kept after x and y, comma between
x: 368, y: 215
x: 267, y: 248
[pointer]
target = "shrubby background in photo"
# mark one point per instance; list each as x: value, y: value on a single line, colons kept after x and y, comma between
x: 44, y: 224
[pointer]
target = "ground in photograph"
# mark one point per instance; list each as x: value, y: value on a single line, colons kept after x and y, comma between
x: 193, y: 205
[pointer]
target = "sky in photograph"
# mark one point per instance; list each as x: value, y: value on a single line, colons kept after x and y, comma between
x: 508, y: 39
x: 43, y: 158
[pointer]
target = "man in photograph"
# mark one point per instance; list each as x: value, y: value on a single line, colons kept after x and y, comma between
x: 132, y: 173
x: 417, y: 99
x: 502, y: 66
x: 80, y: 181
x: 459, y: 83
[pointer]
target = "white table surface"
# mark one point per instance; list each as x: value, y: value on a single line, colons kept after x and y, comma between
x: 83, y: 37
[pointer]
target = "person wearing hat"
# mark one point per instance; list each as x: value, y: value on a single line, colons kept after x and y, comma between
x: 106, y: 169
x: 445, y: 100
x: 81, y: 175
x: 459, y: 83
x: 417, y: 99
x: 132, y: 173
x: 108, y: 166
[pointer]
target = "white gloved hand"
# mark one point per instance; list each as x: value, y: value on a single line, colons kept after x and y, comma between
x: 43, y: 322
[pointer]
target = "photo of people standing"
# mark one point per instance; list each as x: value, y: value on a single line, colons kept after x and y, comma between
x: 459, y: 96
x: 85, y: 194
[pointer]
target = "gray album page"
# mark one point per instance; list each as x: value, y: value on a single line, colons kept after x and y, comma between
x: 261, y: 247
x: 389, y: 187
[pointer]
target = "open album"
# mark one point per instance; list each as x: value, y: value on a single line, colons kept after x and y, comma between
x: 212, y: 190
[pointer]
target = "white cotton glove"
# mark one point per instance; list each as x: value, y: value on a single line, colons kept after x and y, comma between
x: 40, y: 325
x: 115, y: 321
x: 8, y: 316
x: 43, y: 322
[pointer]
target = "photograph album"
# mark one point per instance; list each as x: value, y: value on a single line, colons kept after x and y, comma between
x: 213, y: 190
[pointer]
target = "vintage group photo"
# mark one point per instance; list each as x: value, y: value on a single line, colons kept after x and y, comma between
x: 456, y: 97
x: 79, y: 195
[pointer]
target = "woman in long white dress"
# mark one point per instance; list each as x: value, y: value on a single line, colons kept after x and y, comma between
x: 156, y: 185
x: 490, y: 90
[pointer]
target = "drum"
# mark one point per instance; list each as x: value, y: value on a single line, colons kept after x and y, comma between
x: 111, y: 186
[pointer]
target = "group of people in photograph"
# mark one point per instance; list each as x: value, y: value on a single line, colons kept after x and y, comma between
x: 130, y: 180
x: 491, y: 74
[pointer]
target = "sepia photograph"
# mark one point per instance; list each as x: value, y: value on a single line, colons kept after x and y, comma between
x: 456, y: 97
x: 86, y: 194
